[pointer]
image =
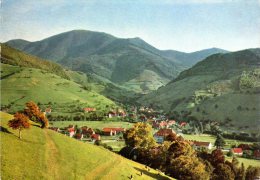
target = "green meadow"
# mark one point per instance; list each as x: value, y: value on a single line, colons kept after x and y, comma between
x: 45, y: 154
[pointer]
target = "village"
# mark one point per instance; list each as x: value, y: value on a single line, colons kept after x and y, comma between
x: 111, y: 137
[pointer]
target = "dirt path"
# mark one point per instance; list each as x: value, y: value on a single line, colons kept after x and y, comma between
x: 51, y: 156
x: 102, y: 171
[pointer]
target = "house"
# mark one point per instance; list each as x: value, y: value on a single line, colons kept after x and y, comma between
x: 121, y: 114
x: 89, y: 109
x: 163, y: 124
x: 182, y: 124
x: 164, y: 132
x: 95, y: 137
x: 237, y: 151
x: 112, y: 131
x: 86, y: 131
x: 47, y: 111
x: 171, y: 122
x: 112, y: 114
x: 71, y: 131
x: 198, y: 145
x: 79, y: 136
x: 256, y: 154
x: 160, y: 135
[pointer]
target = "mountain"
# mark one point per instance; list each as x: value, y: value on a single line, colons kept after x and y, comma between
x: 130, y: 63
x: 223, y: 87
x: 189, y: 59
x: 46, y: 154
x: 28, y: 78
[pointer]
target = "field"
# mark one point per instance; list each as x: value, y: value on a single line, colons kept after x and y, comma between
x: 92, y: 124
x: 45, y: 154
x: 247, y: 162
x: 210, y: 138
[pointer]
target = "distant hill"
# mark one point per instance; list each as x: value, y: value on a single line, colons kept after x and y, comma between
x: 222, y: 87
x: 45, y: 154
x: 130, y: 63
x: 189, y: 59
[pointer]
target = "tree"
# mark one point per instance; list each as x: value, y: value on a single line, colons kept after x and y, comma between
x: 241, y: 173
x: 252, y: 172
x: 187, y: 167
x: 223, y: 171
x: 19, y: 122
x: 220, y: 142
x: 35, y: 114
x: 217, y: 157
x: 140, y: 135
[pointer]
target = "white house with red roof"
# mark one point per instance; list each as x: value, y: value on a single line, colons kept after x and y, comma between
x: 198, y: 145
x: 237, y: 151
x: 112, y: 130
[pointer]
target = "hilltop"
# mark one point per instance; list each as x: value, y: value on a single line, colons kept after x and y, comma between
x: 222, y: 87
x: 130, y: 64
x: 45, y: 154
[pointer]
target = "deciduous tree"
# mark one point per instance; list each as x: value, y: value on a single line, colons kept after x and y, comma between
x: 19, y: 122
x: 35, y: 114
x: 140, y: 135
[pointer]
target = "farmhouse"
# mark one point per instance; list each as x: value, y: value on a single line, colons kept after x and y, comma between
x: 95, y: 137
x: 71, y: 131
x: 79, y: 136
x: 198, y: 145
x: 237, y: 151
x: 112, y: 131
x: 112, y: 114
x: 87, y: 131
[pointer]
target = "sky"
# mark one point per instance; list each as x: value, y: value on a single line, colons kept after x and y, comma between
x: 184, y: 25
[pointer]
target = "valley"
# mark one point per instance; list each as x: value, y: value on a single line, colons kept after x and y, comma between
x: 95, y: 89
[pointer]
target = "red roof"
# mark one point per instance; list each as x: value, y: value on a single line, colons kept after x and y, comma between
x: 199, y: 143
x: 237, y: 150
x: 107, y: 129
x: 183, y: 123
x: 95, y: 136
x: 164, y: 132
x: 163, y: 123
x: 71, y: 129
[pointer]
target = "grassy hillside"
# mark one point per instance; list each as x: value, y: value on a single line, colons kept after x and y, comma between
x: 223, y: 87
x: 21, y: 84
x: 15, y: 57
x: 45, y: 154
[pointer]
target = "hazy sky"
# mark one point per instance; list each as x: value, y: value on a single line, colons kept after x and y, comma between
x: 186, y: 25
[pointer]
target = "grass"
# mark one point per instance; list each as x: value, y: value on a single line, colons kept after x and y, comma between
x: 247, y: 162
x: 212, y: 139
x: 92, y: 124
x: 66, y: 97
x: 45, y: 154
